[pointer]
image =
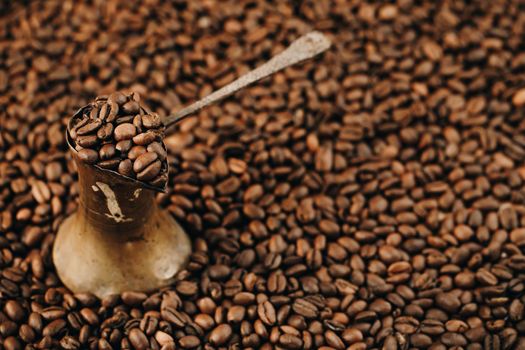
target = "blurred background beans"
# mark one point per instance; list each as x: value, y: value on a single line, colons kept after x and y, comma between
x: 372, y: 198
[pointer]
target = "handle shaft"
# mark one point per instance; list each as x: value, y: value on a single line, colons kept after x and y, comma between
x: 305, y: 47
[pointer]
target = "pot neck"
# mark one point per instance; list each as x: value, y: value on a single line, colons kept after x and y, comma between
x: 111, y: 203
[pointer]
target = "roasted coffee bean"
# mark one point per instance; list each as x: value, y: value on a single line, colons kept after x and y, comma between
x: 105, y: 132
x: 420, y: 341
x: 486, y: 277
x: 163, y: 338
x: 138, y: 339
x: 453, y: 339
x: 289, y: 341
x: 26, y: 333
x: 69, y: 343
x: 266, y: 312
x: 158, y: 148
x: 151, y: 121
x: 35, y: 321
x: 190, y: 288
x: 117, y: 97
x: 54, y: 327
x: 109, y: 164
x: 87, y: 141
x: 333, y: 340
x: 14, y: 310
x: 103, y: 112
x: 90, y: 128
x: 94, y: 112
x: 133, y: 298
x: 107, y: 151
x: 173, y: 316
x: 137, y: 121
x: 220, y: 334
x: 53, y: 312
x: 305, y: 308
x: 11, y: 343
x: 88, y: 155
x: 352, y: 335
x: 160, y: 180
x: 124, y: 146
x: 114, y: 109
x: 143, y: 160
x: 206, y: 322
x: 145, y: 138
x: 150, y: 172
x: 189, y: 342
x: 125, y: 131
x: 236, y: 314
x: 130, y: 107
x: 125, y: 168
x: 89, y: 316
x: 136, y: 151
x: 448, y: 302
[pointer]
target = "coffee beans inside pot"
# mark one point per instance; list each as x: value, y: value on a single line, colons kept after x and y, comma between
x: 115, y: 133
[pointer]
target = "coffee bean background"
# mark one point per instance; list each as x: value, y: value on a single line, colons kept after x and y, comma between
x: 373, y: 198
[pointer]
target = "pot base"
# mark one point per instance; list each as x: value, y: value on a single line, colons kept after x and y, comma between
x: 87, y: 259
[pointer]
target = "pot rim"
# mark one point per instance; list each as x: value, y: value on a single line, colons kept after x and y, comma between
x: 71, y: 143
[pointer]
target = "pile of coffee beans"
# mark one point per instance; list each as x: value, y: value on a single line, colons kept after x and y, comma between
x: 373, y: 198
x: 116, y: 133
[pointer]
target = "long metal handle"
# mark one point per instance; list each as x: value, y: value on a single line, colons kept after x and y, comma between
x: 305, y: 47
